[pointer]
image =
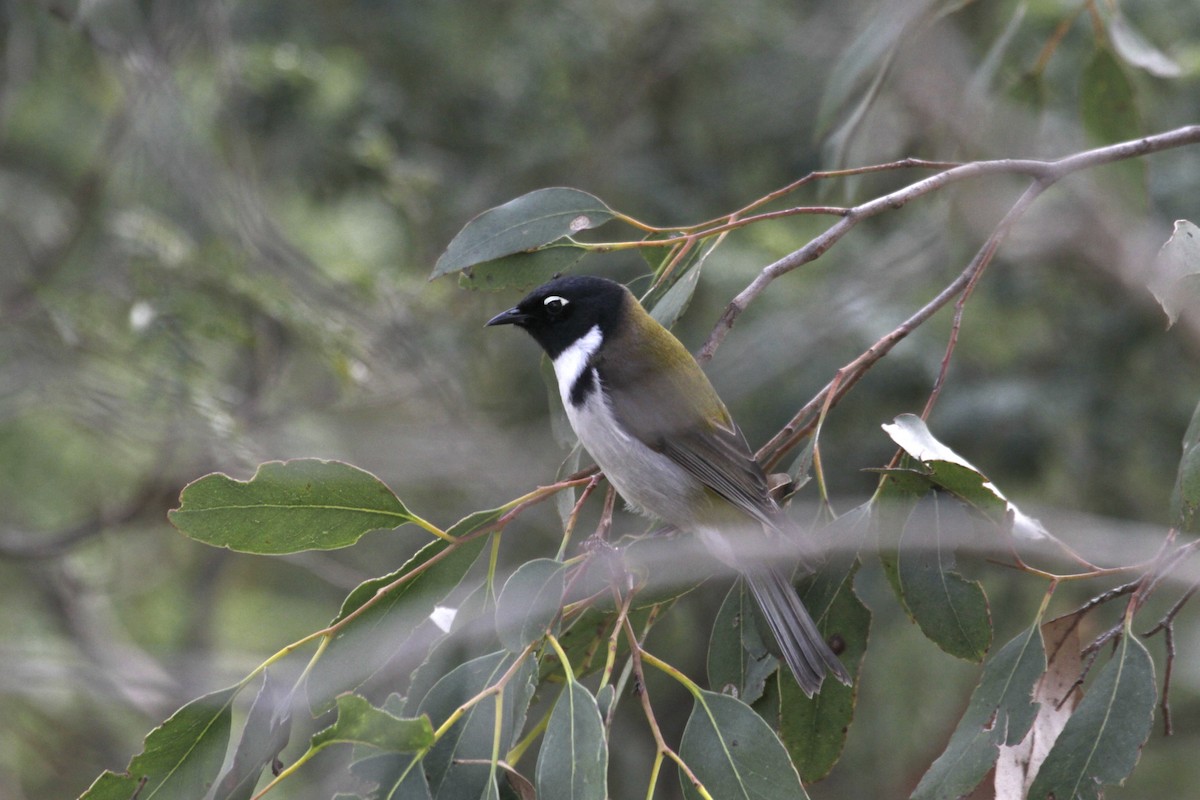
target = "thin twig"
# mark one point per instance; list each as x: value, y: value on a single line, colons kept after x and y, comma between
x: 1045, y: 173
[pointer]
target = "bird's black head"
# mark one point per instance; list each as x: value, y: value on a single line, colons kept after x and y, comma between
x: 559, y: 313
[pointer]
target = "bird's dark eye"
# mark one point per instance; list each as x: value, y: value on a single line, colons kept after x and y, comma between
x: 555, y: 305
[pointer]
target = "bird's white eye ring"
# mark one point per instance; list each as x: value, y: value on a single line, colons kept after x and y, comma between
x: 554, y: 303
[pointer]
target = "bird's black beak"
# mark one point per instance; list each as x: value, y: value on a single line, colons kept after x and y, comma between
x: 514, y: 316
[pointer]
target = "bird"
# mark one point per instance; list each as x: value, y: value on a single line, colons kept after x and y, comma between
x: 644, y: 410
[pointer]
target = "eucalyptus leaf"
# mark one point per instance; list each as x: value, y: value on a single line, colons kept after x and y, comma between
x: 264, y: 735
x: 521, y: 270
x: 1185, y: 498
x: 367, y: 644
x: 181, y: 758
x: 738, y: 660
x: 573, y: 761
x: 814, y: 729
x: 1000, y: 712
x: 288, y: 507
x: 1102, y: 740
x: 950, y: 471
x: 1175, y: 274
x: 672, y: 305
x: 1109, y: 110
x: 734, y: 753
x: 950, y: 610
x: 359, y: 722
x: 1137, y: 50
x: 530, y: 602
x: 523, y: 224
x: 472, y: 737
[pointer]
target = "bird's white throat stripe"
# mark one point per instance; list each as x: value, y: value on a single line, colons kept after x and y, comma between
x: 571, y: 363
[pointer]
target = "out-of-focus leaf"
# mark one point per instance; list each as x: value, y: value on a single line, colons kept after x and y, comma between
x: 738, y: 661
x: 1001, y: 711
x: 950, y: 610
x: 1175, y: 275
x: 359, y: 722
x: 181, y: 758
x: 375, y: 636
x: 288, y: 507
x: 472, y: 737
x: 1185, y: 498
x: 1107, y: 97
x: 955, y: 474
x: 672, y: 305
x: 734, y: 753
x: 521, y: 270
x: 520, y: 225
x: 1057, y: 695
x: 865, y: 58
x: 1102, y: 740
x: 1137, y: 51
x: 573, y: 761
x: 814, y: 729
x: 264, y: 734
x: 529, y: 602
x: 1110, y: 114
x: 384, y: 771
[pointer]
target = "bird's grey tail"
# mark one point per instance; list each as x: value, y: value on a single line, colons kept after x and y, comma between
x: 801, y: 644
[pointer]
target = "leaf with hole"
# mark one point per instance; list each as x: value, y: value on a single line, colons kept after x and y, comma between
x: 738, y: 660
x: 1000, y: 712
x: 522, y: 225
x: 1102, y: 740
x: 814, y: 729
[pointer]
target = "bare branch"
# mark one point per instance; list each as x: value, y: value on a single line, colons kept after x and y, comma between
x: 1044, y: 173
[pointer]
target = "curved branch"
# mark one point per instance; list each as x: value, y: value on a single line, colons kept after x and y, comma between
x: 1044, y: 173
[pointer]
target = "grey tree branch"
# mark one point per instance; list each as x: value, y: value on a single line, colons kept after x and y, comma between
x: 1044, y: 173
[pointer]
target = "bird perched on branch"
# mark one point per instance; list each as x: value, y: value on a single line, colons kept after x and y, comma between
x: 645, y: 411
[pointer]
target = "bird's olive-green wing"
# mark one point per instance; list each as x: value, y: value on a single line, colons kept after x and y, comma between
x: 694, y: 429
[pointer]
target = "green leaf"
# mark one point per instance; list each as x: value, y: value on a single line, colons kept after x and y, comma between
x: 672, y: 305
x: 573, y: 762
x: 738, y: 660
x: 1110, y: 114
x: 1101, y: 741
x: 1137, y: 51
x: 530, y: 602
x: 181, y: 758
x: 472, y: 737
x: 288, y: 507
x: 521, y: 270
x: 264, y: 734
x: 950, y: 610
x: 1001, y: 712
x: 359, y: 722
x: 1107, y: 97
x: 376, y: 636
x: 1185, y: 498
x: 1175, y: 275
x: 524, y: 224
x: 734, y: 753
x: 952, y: 472
x: 814, y: 729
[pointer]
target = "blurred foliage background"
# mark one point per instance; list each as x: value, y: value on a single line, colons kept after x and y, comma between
x: 217, y: 220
